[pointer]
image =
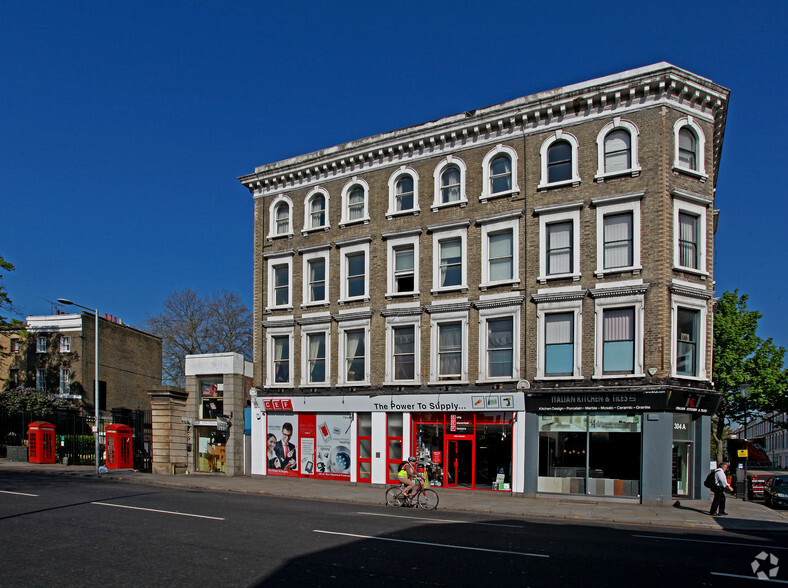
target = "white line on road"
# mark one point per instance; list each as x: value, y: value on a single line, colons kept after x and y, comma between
x: 431, y: 544
x: 172, y: 512
x: 17, y: 493
x: 749, y: 578
x: 757, y: 545
x: 433, y: 520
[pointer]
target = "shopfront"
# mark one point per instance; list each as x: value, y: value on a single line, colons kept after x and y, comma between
x: 460, y: 440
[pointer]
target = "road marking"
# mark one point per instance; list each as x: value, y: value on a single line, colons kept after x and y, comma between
x: 431, y: 544
x: 749, y: 578
x: 172, y: 512
x: 433, y: 520
x: 758, y: 545
x: 17, y: 493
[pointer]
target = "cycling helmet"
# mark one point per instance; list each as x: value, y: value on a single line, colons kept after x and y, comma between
x: 411, y: 458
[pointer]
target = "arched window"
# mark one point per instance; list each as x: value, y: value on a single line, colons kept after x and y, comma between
x: 559, y: 162
x: 355, y: 205
x: 500, y: 174
x: 450, y: 184
x: 403, y: 193
x: 317, y: 211
x: 618, y: 151
x: 688, y: 149
x: 282, y: 218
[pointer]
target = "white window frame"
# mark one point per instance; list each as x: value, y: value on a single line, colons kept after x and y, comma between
x: 274, y: 262
x: 41, y: 344
x: 270, y: 334
x: 65, y: 382
x: 392, y: 245
x: 634, y: 168
x: 313, y: 329
x: 617, y: 205
x: 549, y: 215
x: 573, y: 305
x: 65, y: 344
x: 272, y: 231
x: 306, y: 300
x: 393, y: 322
x: 700, y: 304
x: 559, y: 135
x: 393, y: 179
x: 696, y: 207
x: 700, y: 155
x: 450, y: 160
x: 343, y: 327
x: 493, y: 228
x: 41, y: 379
x: 487, y: 192
x: 436, y: 319
x: 345, y: 220
x: 485, y: 315
x: 636, y: 301
x: 308, y: 228
x: 344, y: 252
x: 445, y: 235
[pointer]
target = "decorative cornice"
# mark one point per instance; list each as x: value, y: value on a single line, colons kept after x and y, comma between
x: 279, y: 323
x: 618, y: 94
x: 449, y: 225
x: 566, y: 296
x: 352, y: 316
x: 313, y: 248
x: 499, y: 302
x: 618, y: 198
x: 494, y: 218
x: 617, y: 291
x: 402, y: 233
x: 313, y: 320
x: 690, y: 292
x: 453, y: 307
x: 282, y: 253
x: 550, y: 208
x: 353, y: 241
x: 406, y: 311
x: 692, y: 197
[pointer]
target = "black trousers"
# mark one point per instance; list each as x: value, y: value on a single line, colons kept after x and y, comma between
x: 718, y: 504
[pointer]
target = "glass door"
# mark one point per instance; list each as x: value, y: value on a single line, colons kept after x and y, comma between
x: 458, y: 465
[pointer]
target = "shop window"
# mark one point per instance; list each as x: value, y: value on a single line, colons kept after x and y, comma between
x: 211, y: 398
x: 211, y: 449
x: 596, y: 454
x: 65, y: 344
x: 365, y: 447
x: 394, y: 456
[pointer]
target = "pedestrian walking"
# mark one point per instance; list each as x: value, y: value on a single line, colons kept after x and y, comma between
x: 718, y: 488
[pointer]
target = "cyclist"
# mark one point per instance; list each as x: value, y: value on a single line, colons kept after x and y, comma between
x: 408, y: 476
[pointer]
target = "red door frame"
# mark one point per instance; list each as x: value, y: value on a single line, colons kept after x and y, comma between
x: 454, y: 437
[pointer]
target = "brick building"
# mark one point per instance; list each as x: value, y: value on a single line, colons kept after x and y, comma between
x: 57, y: 353
x: 519, y: 295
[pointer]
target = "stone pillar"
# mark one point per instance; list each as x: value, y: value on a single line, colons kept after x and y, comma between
x: 234, y: 404
x: 170, y: 432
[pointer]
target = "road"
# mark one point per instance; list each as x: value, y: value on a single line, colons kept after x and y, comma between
x: 70, y: 531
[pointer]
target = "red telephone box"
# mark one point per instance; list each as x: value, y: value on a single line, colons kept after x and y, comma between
x: 41, y: 442
x: 119, y: 454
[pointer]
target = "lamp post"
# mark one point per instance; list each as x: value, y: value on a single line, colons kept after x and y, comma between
x: 95, y: 376
x: 745, y: 392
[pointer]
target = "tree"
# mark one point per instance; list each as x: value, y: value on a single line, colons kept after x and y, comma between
x: 22, y: 399
x: 6, y: 305
x: 191, y: 325
x: 739, y: 356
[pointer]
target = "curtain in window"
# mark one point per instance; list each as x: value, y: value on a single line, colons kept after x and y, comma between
x: 450, y: 184
x: 451, y: 262
x: 282, y: 219
x: 500, y: 347
x: 317, y: 280
x: 318, y: 211
x: 355, y: 356
x: 688, y: 241
x: 501, y: 258
x: 559, y: 248
x: 619, y: 340
x: 404, y: 353
x: 687, y: 155
x: 450, y: 349
x: 317, y: 357
x: 501, y: 174
x: 281, y: 359
x: 559, y: 344
x: 618, y: 156
x: 356, y: 204
x: 404, y: 196
x: 618, y: 240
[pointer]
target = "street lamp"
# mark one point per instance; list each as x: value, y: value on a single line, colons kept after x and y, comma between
x: 745, y: 392
x: 95, y: 376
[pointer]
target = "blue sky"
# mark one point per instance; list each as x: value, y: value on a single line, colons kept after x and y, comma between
x: 124, y: 125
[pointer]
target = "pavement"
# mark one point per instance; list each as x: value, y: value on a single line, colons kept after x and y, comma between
x: 750, y: 516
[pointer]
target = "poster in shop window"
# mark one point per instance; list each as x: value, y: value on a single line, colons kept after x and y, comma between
x: 280, y: 444
x: 332, y: 455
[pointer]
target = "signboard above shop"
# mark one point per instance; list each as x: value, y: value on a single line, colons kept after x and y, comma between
x: 623, y: 400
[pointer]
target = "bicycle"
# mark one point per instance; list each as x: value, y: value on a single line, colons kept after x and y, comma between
x: 425, y: 498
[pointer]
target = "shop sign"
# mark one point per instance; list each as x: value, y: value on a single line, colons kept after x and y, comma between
x: 459, y: 424
x: 627, y: 400
x: 277, y: 404
x: 399, y: 403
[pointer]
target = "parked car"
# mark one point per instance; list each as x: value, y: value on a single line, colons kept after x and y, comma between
x: 775, y: 492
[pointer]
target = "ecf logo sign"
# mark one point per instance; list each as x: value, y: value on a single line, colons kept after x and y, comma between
x: 759, y: 566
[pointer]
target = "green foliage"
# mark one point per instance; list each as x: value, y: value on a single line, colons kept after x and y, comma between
x: 22, y: 399
x: 741, y: 356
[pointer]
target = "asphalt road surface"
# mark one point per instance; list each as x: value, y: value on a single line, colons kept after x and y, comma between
x: 63, y: 531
